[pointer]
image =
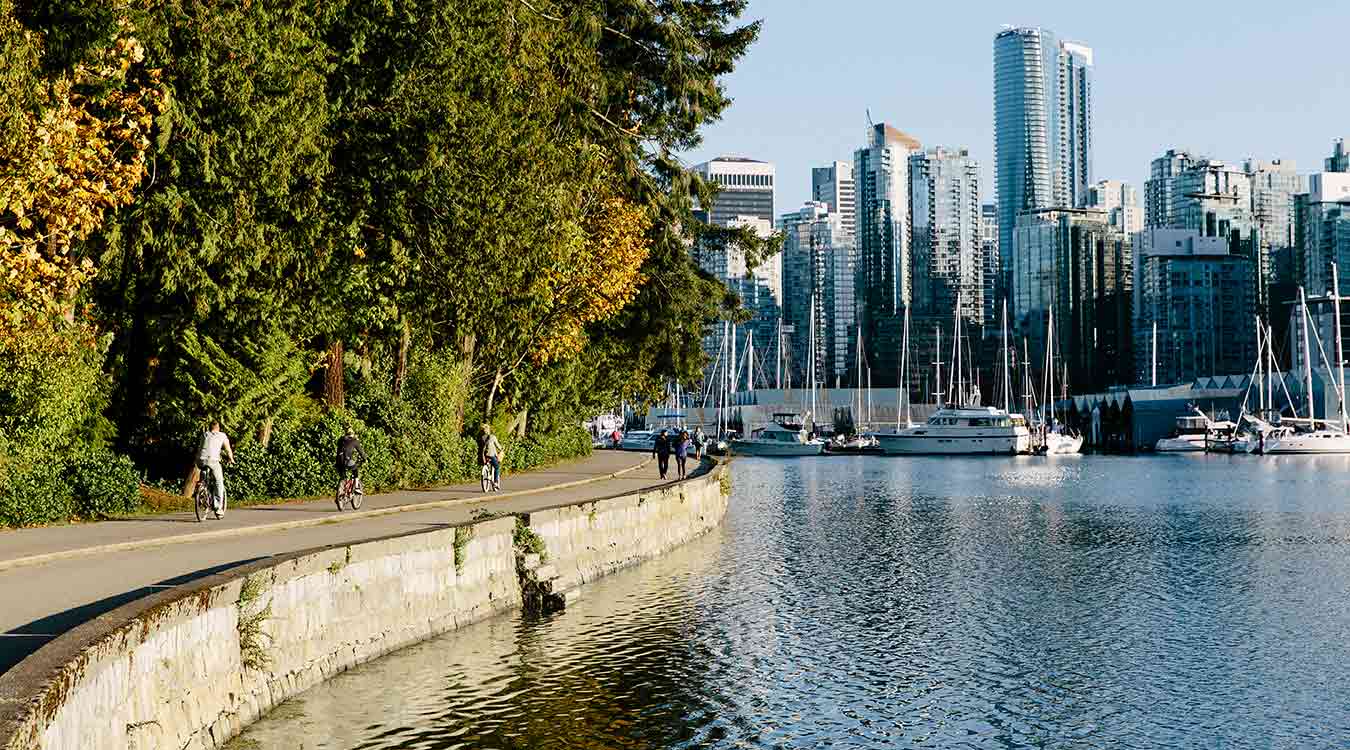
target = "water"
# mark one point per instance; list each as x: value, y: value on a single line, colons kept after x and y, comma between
x: 1082, y: 602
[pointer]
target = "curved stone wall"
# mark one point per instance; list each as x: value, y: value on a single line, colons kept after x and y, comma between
x: 191, y: 666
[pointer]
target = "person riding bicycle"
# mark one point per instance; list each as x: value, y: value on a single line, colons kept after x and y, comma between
x: 349, y: 460
x: 490, y: 453
x: 212, y: 444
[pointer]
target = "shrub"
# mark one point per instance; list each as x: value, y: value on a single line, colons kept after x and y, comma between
x: 33, y: 489
x: 536, y: 450
x: 300, y: 460
x: 104, y: 484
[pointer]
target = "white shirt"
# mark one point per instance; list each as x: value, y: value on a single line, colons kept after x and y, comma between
x: 212, y: 444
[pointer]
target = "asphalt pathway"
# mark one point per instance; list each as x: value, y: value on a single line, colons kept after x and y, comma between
x: 54, y: 578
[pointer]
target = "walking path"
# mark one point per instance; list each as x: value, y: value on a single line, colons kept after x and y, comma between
x: 54, y: 578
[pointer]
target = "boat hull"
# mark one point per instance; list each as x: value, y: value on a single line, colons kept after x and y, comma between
x: 901, y: 444
x: 1317, y: 443
x: 775, y: 448
x: 1062, y: 445
x: 1180, y: 445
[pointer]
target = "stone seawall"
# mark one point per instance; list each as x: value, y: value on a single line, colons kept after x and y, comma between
x: 189, y: 667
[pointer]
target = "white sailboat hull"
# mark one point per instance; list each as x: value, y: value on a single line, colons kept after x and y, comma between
x: 1318, y: 442
x: 1057, y: 444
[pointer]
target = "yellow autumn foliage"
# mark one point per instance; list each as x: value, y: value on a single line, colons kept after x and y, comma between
x: 70, y: 163
x: 598, y: 277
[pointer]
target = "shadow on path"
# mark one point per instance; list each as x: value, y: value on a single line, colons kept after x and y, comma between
x: 17, y: 644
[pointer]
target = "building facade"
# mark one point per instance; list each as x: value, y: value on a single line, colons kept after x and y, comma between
x: 1201, y: 297
x: 945, y: 242
x: 1071, y: 263
x: 1339, y: 161
x: 833, y: 185
x: 884, y: 283
x: 819, y: 262
x: 1120, y: 202
x: 746, y: 188
x: 1160, y: 188
x: 990, y: 258
x: 1042, y: 127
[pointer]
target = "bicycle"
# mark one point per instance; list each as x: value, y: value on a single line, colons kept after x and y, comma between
x: 351, y: 492
x: 485, y: 480
x: 202, y: 500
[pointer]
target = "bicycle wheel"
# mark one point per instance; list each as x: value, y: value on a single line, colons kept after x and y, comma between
x: 201, y: 499
x: 485, y: 479
x: 356, y: 494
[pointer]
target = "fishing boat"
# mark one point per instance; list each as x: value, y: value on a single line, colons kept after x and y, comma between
x: 785, y: 436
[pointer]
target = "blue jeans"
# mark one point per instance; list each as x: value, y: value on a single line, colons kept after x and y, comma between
x: 496, y: 469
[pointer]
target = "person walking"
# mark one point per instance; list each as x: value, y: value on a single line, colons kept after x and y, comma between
x: 699, y: 441
x: 213, y: 443
x: 616, y: 438
x: 661, y: 449
x: 682, y: 443
x: 490, y: 453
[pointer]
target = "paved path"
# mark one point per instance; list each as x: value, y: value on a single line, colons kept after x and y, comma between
x: 52, y: 579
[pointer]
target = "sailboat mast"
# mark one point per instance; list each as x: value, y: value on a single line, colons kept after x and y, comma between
x: 939, y: 394
x: 1270, y: 369
x: 778, y: 360
x: 1154, y: 379
x: 956, y: 356
x: 750, y: 361
x: 1007, y: 378
x: 811, y: 366
x: 904, y: 374
x: 1340, y: 351
x: 1307, y: 356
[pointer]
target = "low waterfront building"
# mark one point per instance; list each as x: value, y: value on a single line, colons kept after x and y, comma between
x: 1201, y: 298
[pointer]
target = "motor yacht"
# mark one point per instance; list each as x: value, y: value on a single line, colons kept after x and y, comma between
x: 960, y: 430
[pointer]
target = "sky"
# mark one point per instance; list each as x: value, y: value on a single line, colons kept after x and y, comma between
x: 1228, y: 80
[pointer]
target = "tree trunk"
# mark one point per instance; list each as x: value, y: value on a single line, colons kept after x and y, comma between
x: 334, y: 394
x: 518, y: 423
x: 265, y: 433
x: 191, y: 480
x: 492, y: 394
x: 401, y: 367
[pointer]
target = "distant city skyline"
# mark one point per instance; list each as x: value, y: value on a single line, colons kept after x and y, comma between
x: 799, y: 107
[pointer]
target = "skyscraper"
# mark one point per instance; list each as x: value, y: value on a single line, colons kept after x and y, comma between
x: 818, y: 269
x: 1161, y: 185
x: 989, y: 258
x: 881, y: 175
x: 1120, y: 202
x: 833, y: 186
x: 945, y: 247
x: 1339, y: 161
x: 1042, y: 127
x: 746, y: 188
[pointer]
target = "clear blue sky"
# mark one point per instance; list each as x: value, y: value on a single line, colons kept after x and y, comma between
x: 1230, y: 80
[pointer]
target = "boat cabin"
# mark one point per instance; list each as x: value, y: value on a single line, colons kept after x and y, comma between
x: 777, y: 433
x: 1192, y: 425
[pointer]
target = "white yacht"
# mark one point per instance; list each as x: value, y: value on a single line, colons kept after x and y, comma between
x: 1320, y: 435
x: 1189, y: 435
x: 785, y: 436
x: 960, y: 430
x: 1323, y: 438
x: 1062, y: 442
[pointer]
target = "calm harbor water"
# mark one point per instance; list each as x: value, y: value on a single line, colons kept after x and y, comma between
x: 1077, y: 602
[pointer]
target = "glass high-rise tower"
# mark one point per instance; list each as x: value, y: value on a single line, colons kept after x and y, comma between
x: 1042, y: 129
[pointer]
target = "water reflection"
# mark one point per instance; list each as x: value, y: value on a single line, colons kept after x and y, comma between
x: 1076, y: 602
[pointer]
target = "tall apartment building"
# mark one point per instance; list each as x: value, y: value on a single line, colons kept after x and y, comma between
x: 1161, y: 187
x: 1071, y: 262
x: 881, y: 175
x: 819, y: 261
x: 1339, y: 161
x: 1120, y: 201
x: 1322, y: 237
x: 1042, y: 127
x: 745, y: 198
x: 1201, y: 296
x: 945, y: 242
x: 990, y: 259
x: 833, y: 186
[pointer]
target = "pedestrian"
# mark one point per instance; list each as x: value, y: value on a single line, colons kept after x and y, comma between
x: 661, y: 449
x: 616, y: 438
x: 699, y: 441
x: 681, y: 451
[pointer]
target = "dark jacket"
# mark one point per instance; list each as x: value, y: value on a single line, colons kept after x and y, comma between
x: 349, y: 451
x: 661, y: 445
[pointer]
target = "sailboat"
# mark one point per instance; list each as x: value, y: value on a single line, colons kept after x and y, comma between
x: 1323, y: 435
x: 1058, y: 438
x: 787, y: 435
x: 960, y: 427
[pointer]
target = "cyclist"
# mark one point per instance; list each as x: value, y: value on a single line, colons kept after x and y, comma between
x: 490, y: 452
x: 213, y: 443
x: 349, y: 460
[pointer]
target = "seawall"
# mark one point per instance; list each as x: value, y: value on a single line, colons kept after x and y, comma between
x: 190, y: 666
